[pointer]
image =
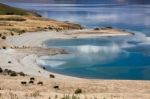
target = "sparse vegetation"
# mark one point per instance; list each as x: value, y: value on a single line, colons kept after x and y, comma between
x: 40, y: 83
x: 12, y: 19
x: 70, y: 97
x: 32, y: 78
x: 1, y: 70
x: 13, y: 73
x: 7, y: 10
x: 31, y: 82
x: 78, y: 91
x: 35, y: 94
x: 52, y: 76
x: 96, y: 29
x: 23, y: 82
x: 3, y: 37
x: 44, y: 68
x: 109, y: 27
x: 56, y: 87
x: 4, y: 47
x: 12, y: 34
x: 9, y: 62
x: 21, y: 74
x: 20, y: 31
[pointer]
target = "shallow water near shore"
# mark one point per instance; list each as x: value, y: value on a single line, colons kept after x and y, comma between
x: 121, y: 57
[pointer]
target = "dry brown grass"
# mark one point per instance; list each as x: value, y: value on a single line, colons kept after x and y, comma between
x: 21, y: 24
x: 91, y: 89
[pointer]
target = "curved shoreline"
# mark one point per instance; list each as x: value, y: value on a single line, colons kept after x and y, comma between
x: 30, y: 41
x: 24, y: 60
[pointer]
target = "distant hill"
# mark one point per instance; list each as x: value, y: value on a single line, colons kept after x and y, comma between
x: 7, y: 10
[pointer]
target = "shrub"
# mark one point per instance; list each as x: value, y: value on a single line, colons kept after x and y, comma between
x: 78, y: 91
x: 23, y: 82
x: 44, y: 68
x: 4, y: 47
x: 109, y: 27
x: 32, y: 78
x: 40, y: 83
x: 31, y: 82
x: 13, y: 73
x: 96, y: 28
x: 71, y: 97
x: 9, y: 62
x: 3, y: 37
x: 21, y: 74
x: 56, y: 87
x: 52, y: 76
x: 1, y: 70
x: 12, y: 34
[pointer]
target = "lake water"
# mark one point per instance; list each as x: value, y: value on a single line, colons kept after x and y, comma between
x: 122, y: 57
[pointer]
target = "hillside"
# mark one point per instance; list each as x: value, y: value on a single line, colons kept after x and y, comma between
x: 7, y: 10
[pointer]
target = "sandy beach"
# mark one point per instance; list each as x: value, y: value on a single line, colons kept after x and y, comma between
x: 23, y: 52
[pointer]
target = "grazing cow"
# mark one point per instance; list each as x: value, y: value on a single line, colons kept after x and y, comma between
x: 23, y: 82
x: 32, y: 78
x: 31, y: 82
x: 40, y: 83
x: 56, y: 87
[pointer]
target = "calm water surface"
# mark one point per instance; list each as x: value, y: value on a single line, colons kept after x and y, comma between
x: 126, y: 57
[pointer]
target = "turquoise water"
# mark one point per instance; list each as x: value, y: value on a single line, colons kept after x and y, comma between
x: 122, y: 57
x: 106, y: 58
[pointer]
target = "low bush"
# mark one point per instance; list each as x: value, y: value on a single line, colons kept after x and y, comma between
x: 40, y: 83
x: 9, y: 62
x: 44, y: 68
x: 52, y: 76
x: 78, y: 91
x: 96, y: 28
x: 70, y: 97
x: 32, y: 78
x: 13, y: 73
x: 23, y: 82
x: 4, y: 47
x: 3, y: 37
x: 19, y: 31
x: 31, y: 82
x: 13, y: 19
x: 56, y: 87
x: 1, y: 70
x: 21, y: 74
